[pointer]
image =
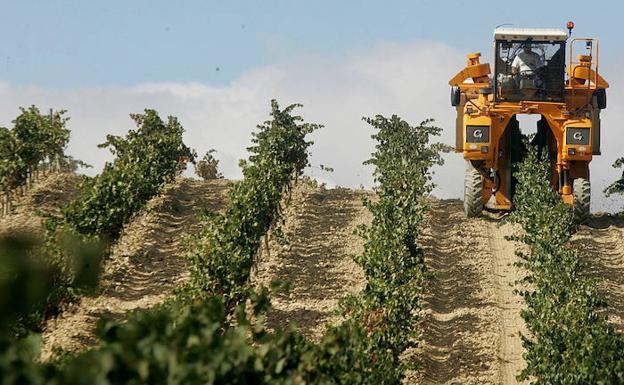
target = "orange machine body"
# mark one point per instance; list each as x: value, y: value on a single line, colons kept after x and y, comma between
x: 570, y: 123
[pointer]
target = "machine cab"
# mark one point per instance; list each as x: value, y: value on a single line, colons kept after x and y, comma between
x: 529, y: 65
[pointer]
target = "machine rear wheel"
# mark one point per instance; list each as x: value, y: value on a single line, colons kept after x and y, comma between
x: 473, y: 190
x: 582, y: 196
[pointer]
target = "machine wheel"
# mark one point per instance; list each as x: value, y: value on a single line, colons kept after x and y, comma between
x: 473, y: 190
x: 582, y: 195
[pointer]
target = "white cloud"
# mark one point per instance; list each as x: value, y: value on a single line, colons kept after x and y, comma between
x: 407, y: 79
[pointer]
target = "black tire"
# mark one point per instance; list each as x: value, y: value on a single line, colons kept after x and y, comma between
x: 601, y: 98
x: 581, y: 190
x: 473, y: 191
x: 455, y: 96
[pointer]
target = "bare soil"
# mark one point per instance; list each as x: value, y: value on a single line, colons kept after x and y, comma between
x: 48, y: 195
x: 318, y: 259
x: 471, y: 326
x: 145, y: 265
x: 472, y: 321
x: 511, y: 325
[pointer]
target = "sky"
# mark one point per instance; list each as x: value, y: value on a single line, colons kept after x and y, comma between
x: 217, y: 64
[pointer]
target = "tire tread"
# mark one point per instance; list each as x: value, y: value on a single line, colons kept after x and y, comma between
x: 582, y: 198
x: 473, y: 191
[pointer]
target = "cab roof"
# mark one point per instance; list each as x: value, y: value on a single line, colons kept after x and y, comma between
x: 537, y: 34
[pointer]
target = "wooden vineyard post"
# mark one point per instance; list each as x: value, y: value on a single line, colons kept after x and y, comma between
x: 6, y: 202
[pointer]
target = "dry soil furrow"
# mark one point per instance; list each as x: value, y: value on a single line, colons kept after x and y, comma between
x: 144, y: 266
x: 511, y: 325
x: 48, y: 195
x: 460, y: 325
x: 601, y: 245
x: 317, y: 261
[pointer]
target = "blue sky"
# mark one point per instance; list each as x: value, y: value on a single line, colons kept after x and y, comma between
x: 67, y: 43
x: 216, y: 65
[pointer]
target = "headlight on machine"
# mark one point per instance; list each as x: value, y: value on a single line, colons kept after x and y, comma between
x: 477, y: 134
x: 577, y: 136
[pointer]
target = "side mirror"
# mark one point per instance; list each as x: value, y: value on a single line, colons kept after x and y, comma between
x: 455, y: 96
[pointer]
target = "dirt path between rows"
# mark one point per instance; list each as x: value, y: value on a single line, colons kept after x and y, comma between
x: 511, y: 323
x: 601, y: 245
x: 317, y: 261
x: 145, y: 265
x: 48, y: 195
x: 460, y: 332
x: 472, y: 317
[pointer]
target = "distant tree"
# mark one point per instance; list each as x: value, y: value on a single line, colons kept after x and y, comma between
x: 207, y: 167
x: 70, y: 164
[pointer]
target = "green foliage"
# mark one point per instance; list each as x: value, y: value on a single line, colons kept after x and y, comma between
x: 11, y: 167
x: 348, y: 355
x: 33, y: 139
x: 145, y: 160
x: 39, y: 136
x: 71, y: 164
x: 224, y: 250
x: 616, y: 187
x: 36, y: 139
x: 29, y: 287
x: 173, y: 344
x: 69, y: 263
x: 185, y: 344
x: 208, y: 167
x: 392, y: 261
x: 210, y: 335
x: 570, y: 343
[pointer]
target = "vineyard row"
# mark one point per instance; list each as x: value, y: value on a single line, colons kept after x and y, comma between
x: 213, y: 331
x: 570, y: 341
x: 35, y: 143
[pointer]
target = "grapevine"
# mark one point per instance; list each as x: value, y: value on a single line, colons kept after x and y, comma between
x: 34, y: 140
x: 208, y: 167
x: 616, y: 187
x: 393, y: 261
x: 145, y: 160
x: 570, y: 342
x: 206, y: 335
x: 224, y: 251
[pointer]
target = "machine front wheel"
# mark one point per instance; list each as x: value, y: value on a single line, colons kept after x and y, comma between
x: 473, y: 191
x: 582, y: 196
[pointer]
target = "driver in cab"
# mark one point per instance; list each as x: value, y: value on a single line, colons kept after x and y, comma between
x: 527, y: 63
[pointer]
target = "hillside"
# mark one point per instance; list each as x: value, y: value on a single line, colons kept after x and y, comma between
x: 317, y: 259
x: 471, y: 325
x: 144, y: 266
x: 46, y: 197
